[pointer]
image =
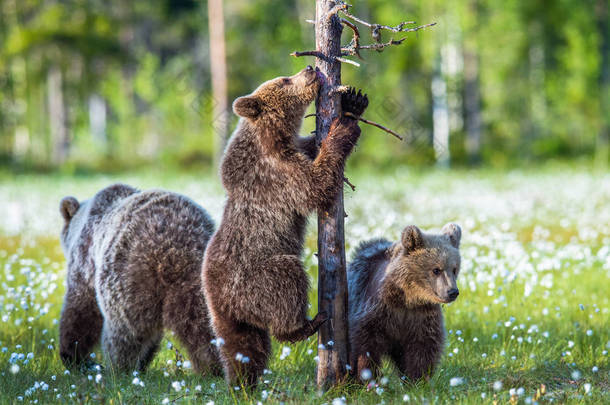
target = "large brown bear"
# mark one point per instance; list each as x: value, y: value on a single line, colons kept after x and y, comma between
x: 253, y: 278
x: 395, y: 291
x: 134, y: 264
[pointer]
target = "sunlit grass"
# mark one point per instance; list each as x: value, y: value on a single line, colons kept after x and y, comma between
x: 533, y: 311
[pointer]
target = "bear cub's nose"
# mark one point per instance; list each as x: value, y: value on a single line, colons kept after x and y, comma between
x: 453, y: 293
x: 309, y: 68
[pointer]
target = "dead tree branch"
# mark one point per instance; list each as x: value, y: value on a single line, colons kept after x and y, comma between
x: 373, y: 123
x: 354, y: 45
x: 346, y: 181
x: 326, y: 58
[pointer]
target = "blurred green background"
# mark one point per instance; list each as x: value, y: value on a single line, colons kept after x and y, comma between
x: 92, y: 85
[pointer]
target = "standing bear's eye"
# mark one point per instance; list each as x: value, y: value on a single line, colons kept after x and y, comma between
x: 437, y: 271
x: 454, y: 271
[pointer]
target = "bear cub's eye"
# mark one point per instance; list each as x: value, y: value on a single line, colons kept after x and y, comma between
x: 437, y: 271
x: 285, y: 81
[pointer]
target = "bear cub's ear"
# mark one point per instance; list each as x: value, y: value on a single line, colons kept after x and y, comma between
x: 454, y: 233
x: 68, y: 207
x: 248, y: 106
x: 412, y: 238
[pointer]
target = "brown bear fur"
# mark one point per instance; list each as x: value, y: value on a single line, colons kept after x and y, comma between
x: 395, y: 291
x: 134, y: 261
x: 253, y: 277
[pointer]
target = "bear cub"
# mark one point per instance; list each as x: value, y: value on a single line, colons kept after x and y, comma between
x: 134, y: 260
x: 395, y: 291
x: 254, y: 281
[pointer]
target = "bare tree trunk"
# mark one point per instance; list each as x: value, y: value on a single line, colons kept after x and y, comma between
x: 333, y: 349
x: 440, y: 116
x: 218, y: 67
x: 603, y: 138
x: 60, y: 141
x: 472, y: 105
x: 97, y: 119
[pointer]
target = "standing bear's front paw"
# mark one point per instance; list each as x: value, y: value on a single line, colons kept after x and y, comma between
x: 354, y: 103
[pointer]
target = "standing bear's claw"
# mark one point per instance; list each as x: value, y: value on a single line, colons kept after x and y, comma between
x: 354, y: 103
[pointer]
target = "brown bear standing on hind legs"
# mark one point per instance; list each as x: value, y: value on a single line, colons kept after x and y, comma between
x: 134, y: 268
x: 395, y: 291
x: 253, y: 278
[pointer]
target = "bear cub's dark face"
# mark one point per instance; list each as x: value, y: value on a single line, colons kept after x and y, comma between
x: 426, y: 266
x: 293, y: 93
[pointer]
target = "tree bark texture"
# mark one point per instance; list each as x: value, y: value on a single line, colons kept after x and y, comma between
x: 333, y: 349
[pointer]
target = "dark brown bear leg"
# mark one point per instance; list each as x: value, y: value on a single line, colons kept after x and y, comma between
x: 127, y: 349
x: 185, y: 313
x: 244, y: 350
x: 366, y: 364
x: 80, y: 326
x: 416, y: 360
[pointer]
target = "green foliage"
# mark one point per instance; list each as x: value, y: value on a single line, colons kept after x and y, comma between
x: 539, y: 73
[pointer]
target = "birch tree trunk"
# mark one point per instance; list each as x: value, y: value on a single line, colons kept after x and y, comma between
x: 333, y: 349
x: 60, y: 142
x: 440, y: 116
x: 603, y: 137
x: 472, y: 105
x: 218, y: 67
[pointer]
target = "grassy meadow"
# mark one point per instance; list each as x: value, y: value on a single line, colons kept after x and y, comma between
x: 531, y: 325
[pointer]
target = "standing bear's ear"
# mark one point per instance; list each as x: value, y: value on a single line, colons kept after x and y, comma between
x: 248, y: 106
x: 68, y: 207
x: 412, y: 238
x: 454, y: 233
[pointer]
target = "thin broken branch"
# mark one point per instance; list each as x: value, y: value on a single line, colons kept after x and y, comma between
x: 320, y: 55
x: 373, y: 123
x: 399, y: 28
x: 346, y: 181
x: 311, y: 115
x: 343, y: 60
x: 354, y: 45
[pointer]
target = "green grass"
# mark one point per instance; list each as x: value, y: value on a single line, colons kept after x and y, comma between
x: 533, y: 310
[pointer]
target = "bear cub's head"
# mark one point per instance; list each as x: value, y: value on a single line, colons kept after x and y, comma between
x: 288, y: 96
x: 425, y: 267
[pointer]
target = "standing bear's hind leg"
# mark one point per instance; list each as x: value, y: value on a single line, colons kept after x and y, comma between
x: 244, y: 351
x: 80, y: 326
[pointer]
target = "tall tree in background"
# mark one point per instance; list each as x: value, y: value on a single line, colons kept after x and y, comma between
x: 333, y: 343
x: 603, y: 138
x: 218, y: 67
x: 472, y: 92
x: 60, y: 141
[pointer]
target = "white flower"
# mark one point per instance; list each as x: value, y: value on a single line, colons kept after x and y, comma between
x: 455, y: 381
x: 285, y: 352
x: 587, y: 388
x: 176, y: 386
x: 165, y: 401
x: 218, y: 342
x: 576, y: 375
x: 137, y: 381
x: 589, y: 332
x: 187, y: 364
x: 14, y: 369
x: 366, y: 374
x: 497, y: 385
